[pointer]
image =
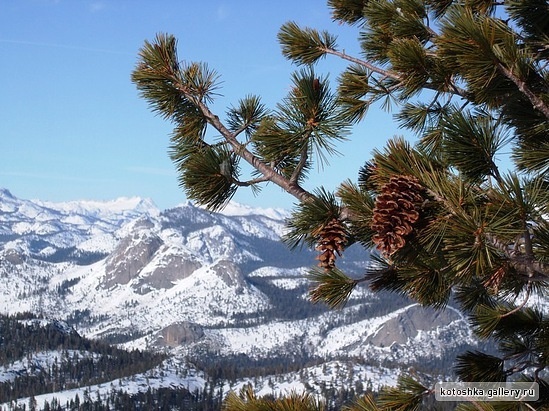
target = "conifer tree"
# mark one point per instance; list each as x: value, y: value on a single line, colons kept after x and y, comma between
x: 247, y: 400
x: 441, y: 217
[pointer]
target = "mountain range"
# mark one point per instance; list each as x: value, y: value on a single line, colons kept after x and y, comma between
x: 218, y: 293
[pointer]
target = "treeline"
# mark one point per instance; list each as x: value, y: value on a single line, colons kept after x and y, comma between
x: 77, y: 361
x: 241, y: 366
x: 289, y: 304
x: 162, y: 399
x: 171, y: 399
x: 69, y: 254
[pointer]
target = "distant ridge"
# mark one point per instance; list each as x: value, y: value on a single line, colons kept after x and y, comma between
x: 218, y: 289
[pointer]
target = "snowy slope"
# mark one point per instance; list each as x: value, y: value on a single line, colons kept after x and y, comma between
x: 200, y: 285
x: 39, y: 229
x: 169, y: 375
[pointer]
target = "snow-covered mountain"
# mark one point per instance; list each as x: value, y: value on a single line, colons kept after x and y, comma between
x: 202, y: 285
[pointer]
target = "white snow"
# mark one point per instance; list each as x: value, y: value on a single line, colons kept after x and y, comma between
x: 166, y: 375
x: 209, y: 297
x: 236, y: 209
x: 112, y: 207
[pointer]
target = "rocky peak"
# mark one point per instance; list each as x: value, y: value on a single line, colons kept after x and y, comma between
x: 130, y: 256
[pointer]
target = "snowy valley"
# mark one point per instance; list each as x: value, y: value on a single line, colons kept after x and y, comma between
x: 218, y: 294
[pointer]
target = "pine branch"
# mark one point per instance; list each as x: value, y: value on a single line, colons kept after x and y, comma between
x: 183, y: 95
x: 208, y: 174
x: 306, y: 46
x: 536, y: 270
x: 476, y: 366
x: 346, y: 11
x: 304, y: 155
x: 526, y: 265
x: 252, y: 182
x: 537, y: 102
x: 407, y: 395
x: 248, y: 401
x: 391, y: 74
x: 310, y: 217
x: 364, y: 403
x: 241, y: 150
x: 331, y: 287
x: 364, y: 63
x: 247, y: 116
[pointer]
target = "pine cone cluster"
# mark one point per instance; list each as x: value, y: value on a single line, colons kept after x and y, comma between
x: 331, y: 240
x: 396, y: 210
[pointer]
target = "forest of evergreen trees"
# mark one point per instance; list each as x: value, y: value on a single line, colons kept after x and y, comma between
x: 169, y: 399
x: 162, y: 399
x: 83, y: 362
x: 23, y: 335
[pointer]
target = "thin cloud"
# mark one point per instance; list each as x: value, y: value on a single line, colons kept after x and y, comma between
x: 53, y: 177
x: 222, y: 13
x: 151, y: 171
x: 97, y: 6
x: 63, y: 46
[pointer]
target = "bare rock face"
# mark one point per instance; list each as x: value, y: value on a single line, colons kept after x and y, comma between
x: 14, y: 257
x: 129, y: 257
x: 180, y: 333
x: 407, y: 324
x: 230, y: 273
x: 169, y: 269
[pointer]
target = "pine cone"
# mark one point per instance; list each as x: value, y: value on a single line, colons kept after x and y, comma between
x: 316, y: 85
x: 331, y: 240
x: 396, y: 210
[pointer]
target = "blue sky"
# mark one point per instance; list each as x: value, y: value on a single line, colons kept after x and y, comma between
x: 73, y: 126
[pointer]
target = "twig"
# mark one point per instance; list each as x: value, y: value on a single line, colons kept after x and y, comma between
x: 302, y: 160
x: 240, y: 149
x: 536, y: 100
x: 518, y: 308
